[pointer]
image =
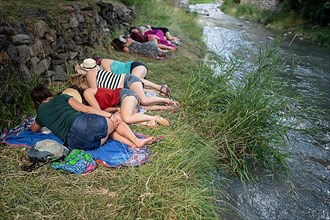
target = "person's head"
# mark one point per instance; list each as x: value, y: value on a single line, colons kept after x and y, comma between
x: 133, y: 29
x: 137, y: 36
x: 79, y: 80
x: 117, y: 44
x: 39, y: 94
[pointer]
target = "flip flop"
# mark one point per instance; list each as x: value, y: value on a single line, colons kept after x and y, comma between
x: 167, y: 91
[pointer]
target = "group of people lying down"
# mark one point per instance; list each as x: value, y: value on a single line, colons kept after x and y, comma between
x: 102, y: 100
x: 153, y: 42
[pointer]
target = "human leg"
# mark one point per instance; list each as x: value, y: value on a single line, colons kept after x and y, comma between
x: 135, y: 84
x: 124, y: 130
x: 139, y: 69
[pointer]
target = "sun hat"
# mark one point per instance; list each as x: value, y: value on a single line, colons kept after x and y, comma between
x: 74, y: 93
x: 88, y: 63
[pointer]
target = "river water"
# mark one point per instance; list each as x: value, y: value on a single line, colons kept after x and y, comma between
x: 305, y: 192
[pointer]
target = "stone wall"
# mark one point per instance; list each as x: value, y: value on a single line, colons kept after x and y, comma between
x: 46, y: 47
x: 263, y: 4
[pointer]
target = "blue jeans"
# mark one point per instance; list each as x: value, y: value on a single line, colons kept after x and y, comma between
x: 130, y: 79
x: 86, y: 132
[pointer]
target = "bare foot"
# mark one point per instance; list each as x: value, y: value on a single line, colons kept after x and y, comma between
x: 162, y: 121
x: 143, y: 142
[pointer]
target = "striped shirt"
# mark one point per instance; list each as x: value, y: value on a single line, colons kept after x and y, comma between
x: 108, y: 80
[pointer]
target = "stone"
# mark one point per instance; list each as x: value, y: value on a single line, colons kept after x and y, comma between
x: 13, y: 54
x: 22, y: 39
x: 46, y: 49
x: 59, y: 74
x: 73, y: 23
x: 23, y: 53
x: 40, y: 28
x: 51, y: 35
x: 3, y: 42
x: 25, y: 73
x: 42, y: 66
x: 36, y: 48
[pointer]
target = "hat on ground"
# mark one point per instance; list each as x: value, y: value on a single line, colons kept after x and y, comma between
x: 88, y: 63
x: 74, y: 93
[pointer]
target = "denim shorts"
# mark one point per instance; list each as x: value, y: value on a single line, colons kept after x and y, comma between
x: 86, y: 132
x: 126, y: 92
x: 137, y: 64
x: 130, y: 79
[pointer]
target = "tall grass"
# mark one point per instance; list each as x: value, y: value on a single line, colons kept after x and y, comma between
x: 245, y: 118
x: 176, y: 184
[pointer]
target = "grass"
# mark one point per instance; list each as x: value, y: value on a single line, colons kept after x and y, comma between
x: 278, y: 20
x: 220, y: 125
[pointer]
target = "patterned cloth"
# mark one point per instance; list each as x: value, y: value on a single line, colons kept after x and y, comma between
x: 77, y: 162
x: 147, y: 49
x: 111, y: 154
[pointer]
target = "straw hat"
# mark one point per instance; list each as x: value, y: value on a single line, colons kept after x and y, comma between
x: 74, y: 93
x: 88, y: 63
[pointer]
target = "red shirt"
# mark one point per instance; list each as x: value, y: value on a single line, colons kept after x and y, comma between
x: 108, y: 97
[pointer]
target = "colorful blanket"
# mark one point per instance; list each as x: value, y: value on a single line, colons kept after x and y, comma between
x: 112, y: 154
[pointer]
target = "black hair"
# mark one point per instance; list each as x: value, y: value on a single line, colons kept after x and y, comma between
x: 131, y: 28
x: 117, y: 44
x: 39, y: 94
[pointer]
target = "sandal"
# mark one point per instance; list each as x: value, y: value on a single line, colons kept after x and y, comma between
x: 167, y: 91
x: 162, y: 121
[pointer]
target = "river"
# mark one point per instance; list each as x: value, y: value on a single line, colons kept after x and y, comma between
x: 305, y: 192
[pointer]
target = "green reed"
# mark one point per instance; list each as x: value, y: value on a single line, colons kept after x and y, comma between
x: 245, y: 117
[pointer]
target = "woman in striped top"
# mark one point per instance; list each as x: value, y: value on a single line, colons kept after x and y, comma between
x: 104, y: 79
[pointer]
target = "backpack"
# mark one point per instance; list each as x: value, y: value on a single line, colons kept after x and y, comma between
x: 44, y: 152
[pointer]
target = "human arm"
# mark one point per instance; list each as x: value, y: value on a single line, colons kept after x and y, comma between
x: 112, y: 109
x: 35, y: 127
x: 106, y: 63
x: 87, y: 109
x: 91, y: 78
x: 89, y: 95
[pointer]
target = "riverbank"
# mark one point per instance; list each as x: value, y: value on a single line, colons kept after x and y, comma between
x: 175, y: 184
x: 280, y: 20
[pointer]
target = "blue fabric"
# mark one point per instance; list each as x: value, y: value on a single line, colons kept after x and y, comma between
x: 113, y: 153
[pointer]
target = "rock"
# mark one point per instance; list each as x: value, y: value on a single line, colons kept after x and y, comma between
x: 13, y: 54
x: 36, y: 48
x: 23, y: 53
x: 3, y: 42
x: 41, y: 67
x: 41, y: 28
x: 22, y: 39
x: 59, y: 74
x: 73, y: 23
x: 25, y: 73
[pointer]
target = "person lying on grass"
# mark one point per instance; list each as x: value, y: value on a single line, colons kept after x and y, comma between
x: 77, y: 125
x: 131, y: 67
x: 98, y: 78
x: 150, y: 49
x: 127, y: 103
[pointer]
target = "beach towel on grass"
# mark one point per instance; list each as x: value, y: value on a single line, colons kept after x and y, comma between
x: 112, y: 154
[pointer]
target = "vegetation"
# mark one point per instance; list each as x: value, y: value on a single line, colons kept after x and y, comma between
x: 307, y: 18
x: 219, y: 125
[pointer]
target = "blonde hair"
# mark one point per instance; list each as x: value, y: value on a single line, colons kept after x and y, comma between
x: 78, y: 79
